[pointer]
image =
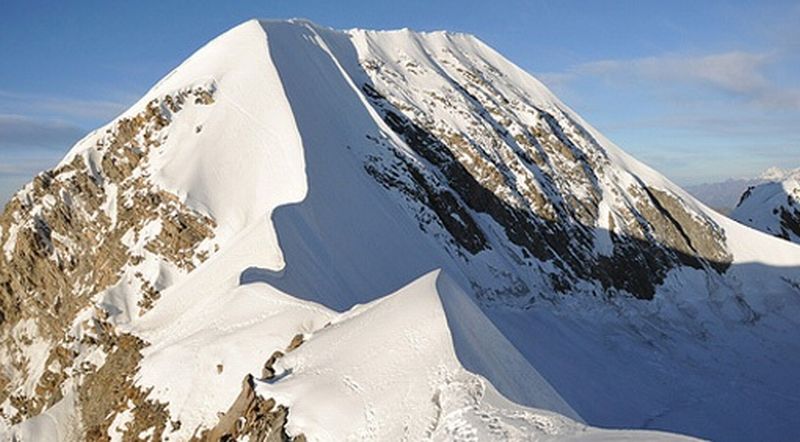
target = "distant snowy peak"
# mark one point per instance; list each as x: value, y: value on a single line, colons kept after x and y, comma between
x: 725, y: 195
x: 722, y: 196
x: 777, y: 174
x: 773, y: 207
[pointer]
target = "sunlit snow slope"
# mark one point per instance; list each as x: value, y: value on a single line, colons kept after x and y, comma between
x: 773, y: 207
x: 457, y: 254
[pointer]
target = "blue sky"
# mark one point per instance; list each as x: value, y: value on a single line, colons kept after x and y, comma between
x: 700, y: 90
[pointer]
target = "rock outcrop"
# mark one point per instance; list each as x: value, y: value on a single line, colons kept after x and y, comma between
x: 95, y: 222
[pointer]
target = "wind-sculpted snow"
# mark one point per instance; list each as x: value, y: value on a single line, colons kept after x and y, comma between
x: 388, y: 370
x: 293, y: 185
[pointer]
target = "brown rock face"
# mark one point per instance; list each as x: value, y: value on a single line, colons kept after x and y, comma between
x: 67, y: 237
x: 252, y: 416
x: 109, y: 390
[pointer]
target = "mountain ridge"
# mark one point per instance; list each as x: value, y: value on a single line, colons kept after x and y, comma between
x: 337, y: 167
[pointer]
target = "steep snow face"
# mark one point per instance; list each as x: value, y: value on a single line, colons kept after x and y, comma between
x: 138, y: 204
x: 240, y: 157
x: 342, y: 385
x: 287, y: 172
x: 494, y: 167
x: 773, y: 208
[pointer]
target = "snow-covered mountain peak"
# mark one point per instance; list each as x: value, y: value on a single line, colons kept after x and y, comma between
x: 777, y: 174
x: 274, y: 188
x: 773, y: 207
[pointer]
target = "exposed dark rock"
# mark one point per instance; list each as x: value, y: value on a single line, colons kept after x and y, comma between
x: 661, y: 233
x: 253, y: 417
x: 267, y: 372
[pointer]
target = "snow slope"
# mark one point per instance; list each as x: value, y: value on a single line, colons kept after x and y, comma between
x: 342, y: 168
x: 387, y: 370
x: 773, y: 208
x: 725, y: 195
x: 250, y: 117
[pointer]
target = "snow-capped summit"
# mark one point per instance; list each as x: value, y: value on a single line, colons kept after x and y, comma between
x: 777, y: 174
x: 724, y: 196
x: 273, y: 209
x: 773, y: 207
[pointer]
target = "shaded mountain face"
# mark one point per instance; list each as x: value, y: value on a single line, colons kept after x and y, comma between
x: 773, y: 208
x: 335, y: 167
x: 476, y: 157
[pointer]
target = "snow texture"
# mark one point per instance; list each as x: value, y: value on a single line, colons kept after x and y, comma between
x: 398, y: 345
